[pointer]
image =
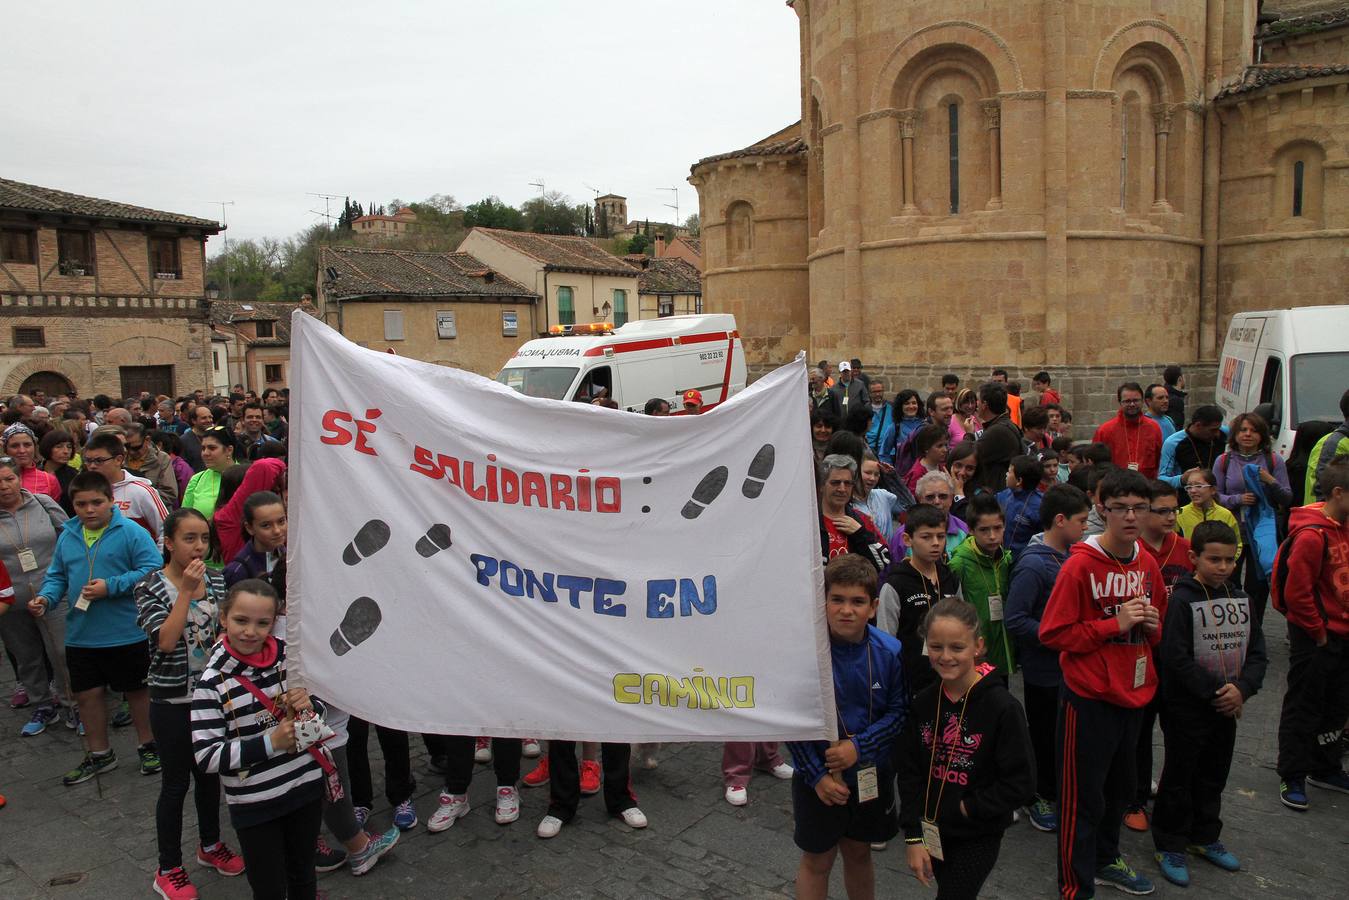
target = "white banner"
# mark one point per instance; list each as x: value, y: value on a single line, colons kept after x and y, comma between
x: 468, y: 560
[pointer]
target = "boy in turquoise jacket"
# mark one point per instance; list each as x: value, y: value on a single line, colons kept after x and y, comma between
x: 99, y: 557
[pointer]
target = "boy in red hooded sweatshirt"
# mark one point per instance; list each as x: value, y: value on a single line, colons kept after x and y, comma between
x: 1314, y: 597
x: 1103, y: 616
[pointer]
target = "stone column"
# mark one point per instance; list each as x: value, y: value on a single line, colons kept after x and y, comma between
x: 1161, y: 120
x: 993, y: 122
x: 908, y: 127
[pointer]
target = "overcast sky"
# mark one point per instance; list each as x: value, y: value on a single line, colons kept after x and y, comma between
x: 175, y: 105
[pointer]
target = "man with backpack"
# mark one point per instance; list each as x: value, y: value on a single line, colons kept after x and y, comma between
x: 1310, y: 586
x: 1329, y: 447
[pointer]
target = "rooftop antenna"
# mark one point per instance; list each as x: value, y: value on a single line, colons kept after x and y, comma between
x: 538, y: 184
x: 224, y: 230
x: 675, y: 206
x: 595, y: 189
x: 327, y: 204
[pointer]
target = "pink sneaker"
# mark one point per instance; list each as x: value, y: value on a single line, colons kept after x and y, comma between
x: 222, y: 859
x: 175, y: 885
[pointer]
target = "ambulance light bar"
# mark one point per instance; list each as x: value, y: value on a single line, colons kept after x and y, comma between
x: 585, y: 328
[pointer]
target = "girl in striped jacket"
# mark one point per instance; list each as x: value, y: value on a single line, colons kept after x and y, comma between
x: 243, y: 728
x: 177, y: 608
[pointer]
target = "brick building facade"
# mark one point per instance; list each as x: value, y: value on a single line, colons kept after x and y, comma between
x: 100, y: 297
x: 1036, y: 184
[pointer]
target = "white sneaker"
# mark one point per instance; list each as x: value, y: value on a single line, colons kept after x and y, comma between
x: 530, y: 748
x: 452, y: 807
x: 508, y: 805
x: 482, y: 750
x: 549, y: 826
x: 737, y: 796
x: 783, y: 771
x: 634, y: 817
x: 878, y: 846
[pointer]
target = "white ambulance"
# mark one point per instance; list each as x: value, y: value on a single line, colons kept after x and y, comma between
x: 1294, y: 360
x: 633, y: 363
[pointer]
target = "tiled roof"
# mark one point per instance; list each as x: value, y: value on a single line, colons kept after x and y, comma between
x: 232, y: 312
x: 668, y: 275
x: 407, y: 273
x: 31, y: 198
x: 1304, y: 16
x: 786, y: 142
x: 1267, y: 74
x: 561, y: 251
x: 695, y: 244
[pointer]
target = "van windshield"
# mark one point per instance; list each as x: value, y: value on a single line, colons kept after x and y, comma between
x: 549, y: 382
x: 1318, y: 384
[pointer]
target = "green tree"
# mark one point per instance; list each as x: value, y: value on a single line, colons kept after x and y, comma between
x: 247, y: 269
x: 490, y: 212
x: 553, y: 213
x: 694, y: 224
x: 639, y: 243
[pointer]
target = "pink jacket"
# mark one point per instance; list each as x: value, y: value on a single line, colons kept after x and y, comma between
x: 262, y: 475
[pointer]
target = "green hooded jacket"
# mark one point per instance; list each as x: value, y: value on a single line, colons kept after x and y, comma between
x: 980, y: 576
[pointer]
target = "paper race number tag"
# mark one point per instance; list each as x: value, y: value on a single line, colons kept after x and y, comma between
x: 82, y: 604
x: 1140, y: 671
x: 868, y: 785
x: 932, y: 840
x: 1222, y: 634
x: 995, y: 607
x: 27, y: 560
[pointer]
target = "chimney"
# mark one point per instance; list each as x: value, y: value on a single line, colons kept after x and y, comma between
x: 660, y: 247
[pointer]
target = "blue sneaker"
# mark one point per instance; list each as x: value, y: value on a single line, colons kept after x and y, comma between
x: 1217, y: 854
x: 1293, y: 794
x: 44, y: 715
x: 1173, y: 868
x: 1335, y: 781
x: 1121, y: 877
x: 379, y: 845
x: 1043, y: 816
x: 405, y: 816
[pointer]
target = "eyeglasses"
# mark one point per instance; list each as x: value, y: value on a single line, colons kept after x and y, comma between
x: 930, y: 498
x: 1165, y: 511
x: 840, y: 482
x: 1129, y: 510
x: 91, y: 461
x: 1131, y: 402
x: 1197, y: 486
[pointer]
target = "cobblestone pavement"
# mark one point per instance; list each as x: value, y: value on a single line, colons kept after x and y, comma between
x: 697, y: 846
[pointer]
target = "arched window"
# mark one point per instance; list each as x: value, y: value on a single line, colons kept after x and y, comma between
x: 1299, y: 181
x: 739, y: 232
x: 953, y: 143
x: 1299, y: 170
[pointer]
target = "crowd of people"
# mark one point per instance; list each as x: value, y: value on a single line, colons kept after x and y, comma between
x: 965, y: 534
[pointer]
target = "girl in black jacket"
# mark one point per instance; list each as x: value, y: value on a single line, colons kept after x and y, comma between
x: 964, y: 760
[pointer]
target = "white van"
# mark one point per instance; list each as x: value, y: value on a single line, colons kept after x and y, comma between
x: 1296, y: 360
x: 633, y: 363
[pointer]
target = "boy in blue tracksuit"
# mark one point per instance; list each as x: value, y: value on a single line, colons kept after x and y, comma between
x: 843, y: 795
x: 100, y: 555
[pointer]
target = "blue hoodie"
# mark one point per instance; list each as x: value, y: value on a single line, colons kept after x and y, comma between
x: 1032, y: 582
x: 123, y: 555
x: 872, y: 703
x: 1021, y: 510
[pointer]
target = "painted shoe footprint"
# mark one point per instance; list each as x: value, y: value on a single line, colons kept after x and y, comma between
x: 368, y: 541
x: 759, y: 469
x: 707, y: 490
x: 436, y: 539
x: 362, y: 618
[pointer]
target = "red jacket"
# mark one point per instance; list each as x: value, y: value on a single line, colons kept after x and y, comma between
x: 1173, y: 559
x: 1318, y: 572
x: 1139, y: 444
x: 6, y: 586
x: 1098, y: 661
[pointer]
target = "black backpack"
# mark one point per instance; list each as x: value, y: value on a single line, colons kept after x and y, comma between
x: 1278, y: 577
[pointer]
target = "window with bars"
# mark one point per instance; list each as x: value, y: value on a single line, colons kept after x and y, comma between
x: 29, y: 336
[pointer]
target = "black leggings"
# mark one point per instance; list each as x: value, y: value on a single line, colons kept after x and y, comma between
x: 967, y: 866
x: 171, y: 724
x: 279, y: 854
x: 459, y: 771
x: 398, y: 781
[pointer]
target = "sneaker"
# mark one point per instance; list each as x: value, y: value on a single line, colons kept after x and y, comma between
x: 121, y: 718
x: 549, y: 826
x: 328, y: 859
x: 452, y: 807
x: 482, y: 750
x: 1293, y: 794
x: 737, y: 796
x: 405, y: 815
x: 362, y: 815
x: 222, y: 859
x: 73, y: 718
x: 1217, y: 854
x: 174, y: 885
x: 1174, y: 868
x: 878, y: 846
x: 378, y: 845
x: 43, y: 716
x: 149, y: 759
x: 530, y: 749
x: 1335, y: 781
x: 19, y: 699
x: 1136, y: 819
x: 783, y: 771
x: 538, y: 777
x: 1118, y: 875
x: 590, y: 777
x: 634, y: 817
x: 90, y: 766
x: 508, y: 805
x: 1043, y: 816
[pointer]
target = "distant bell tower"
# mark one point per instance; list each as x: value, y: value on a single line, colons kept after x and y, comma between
x: 611, y: 214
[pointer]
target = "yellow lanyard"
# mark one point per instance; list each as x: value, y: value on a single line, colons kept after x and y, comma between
x: 932, y: 761
x: 1222, y: 663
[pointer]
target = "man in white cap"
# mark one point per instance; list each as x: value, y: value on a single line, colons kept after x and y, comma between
x: 850, y: 392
